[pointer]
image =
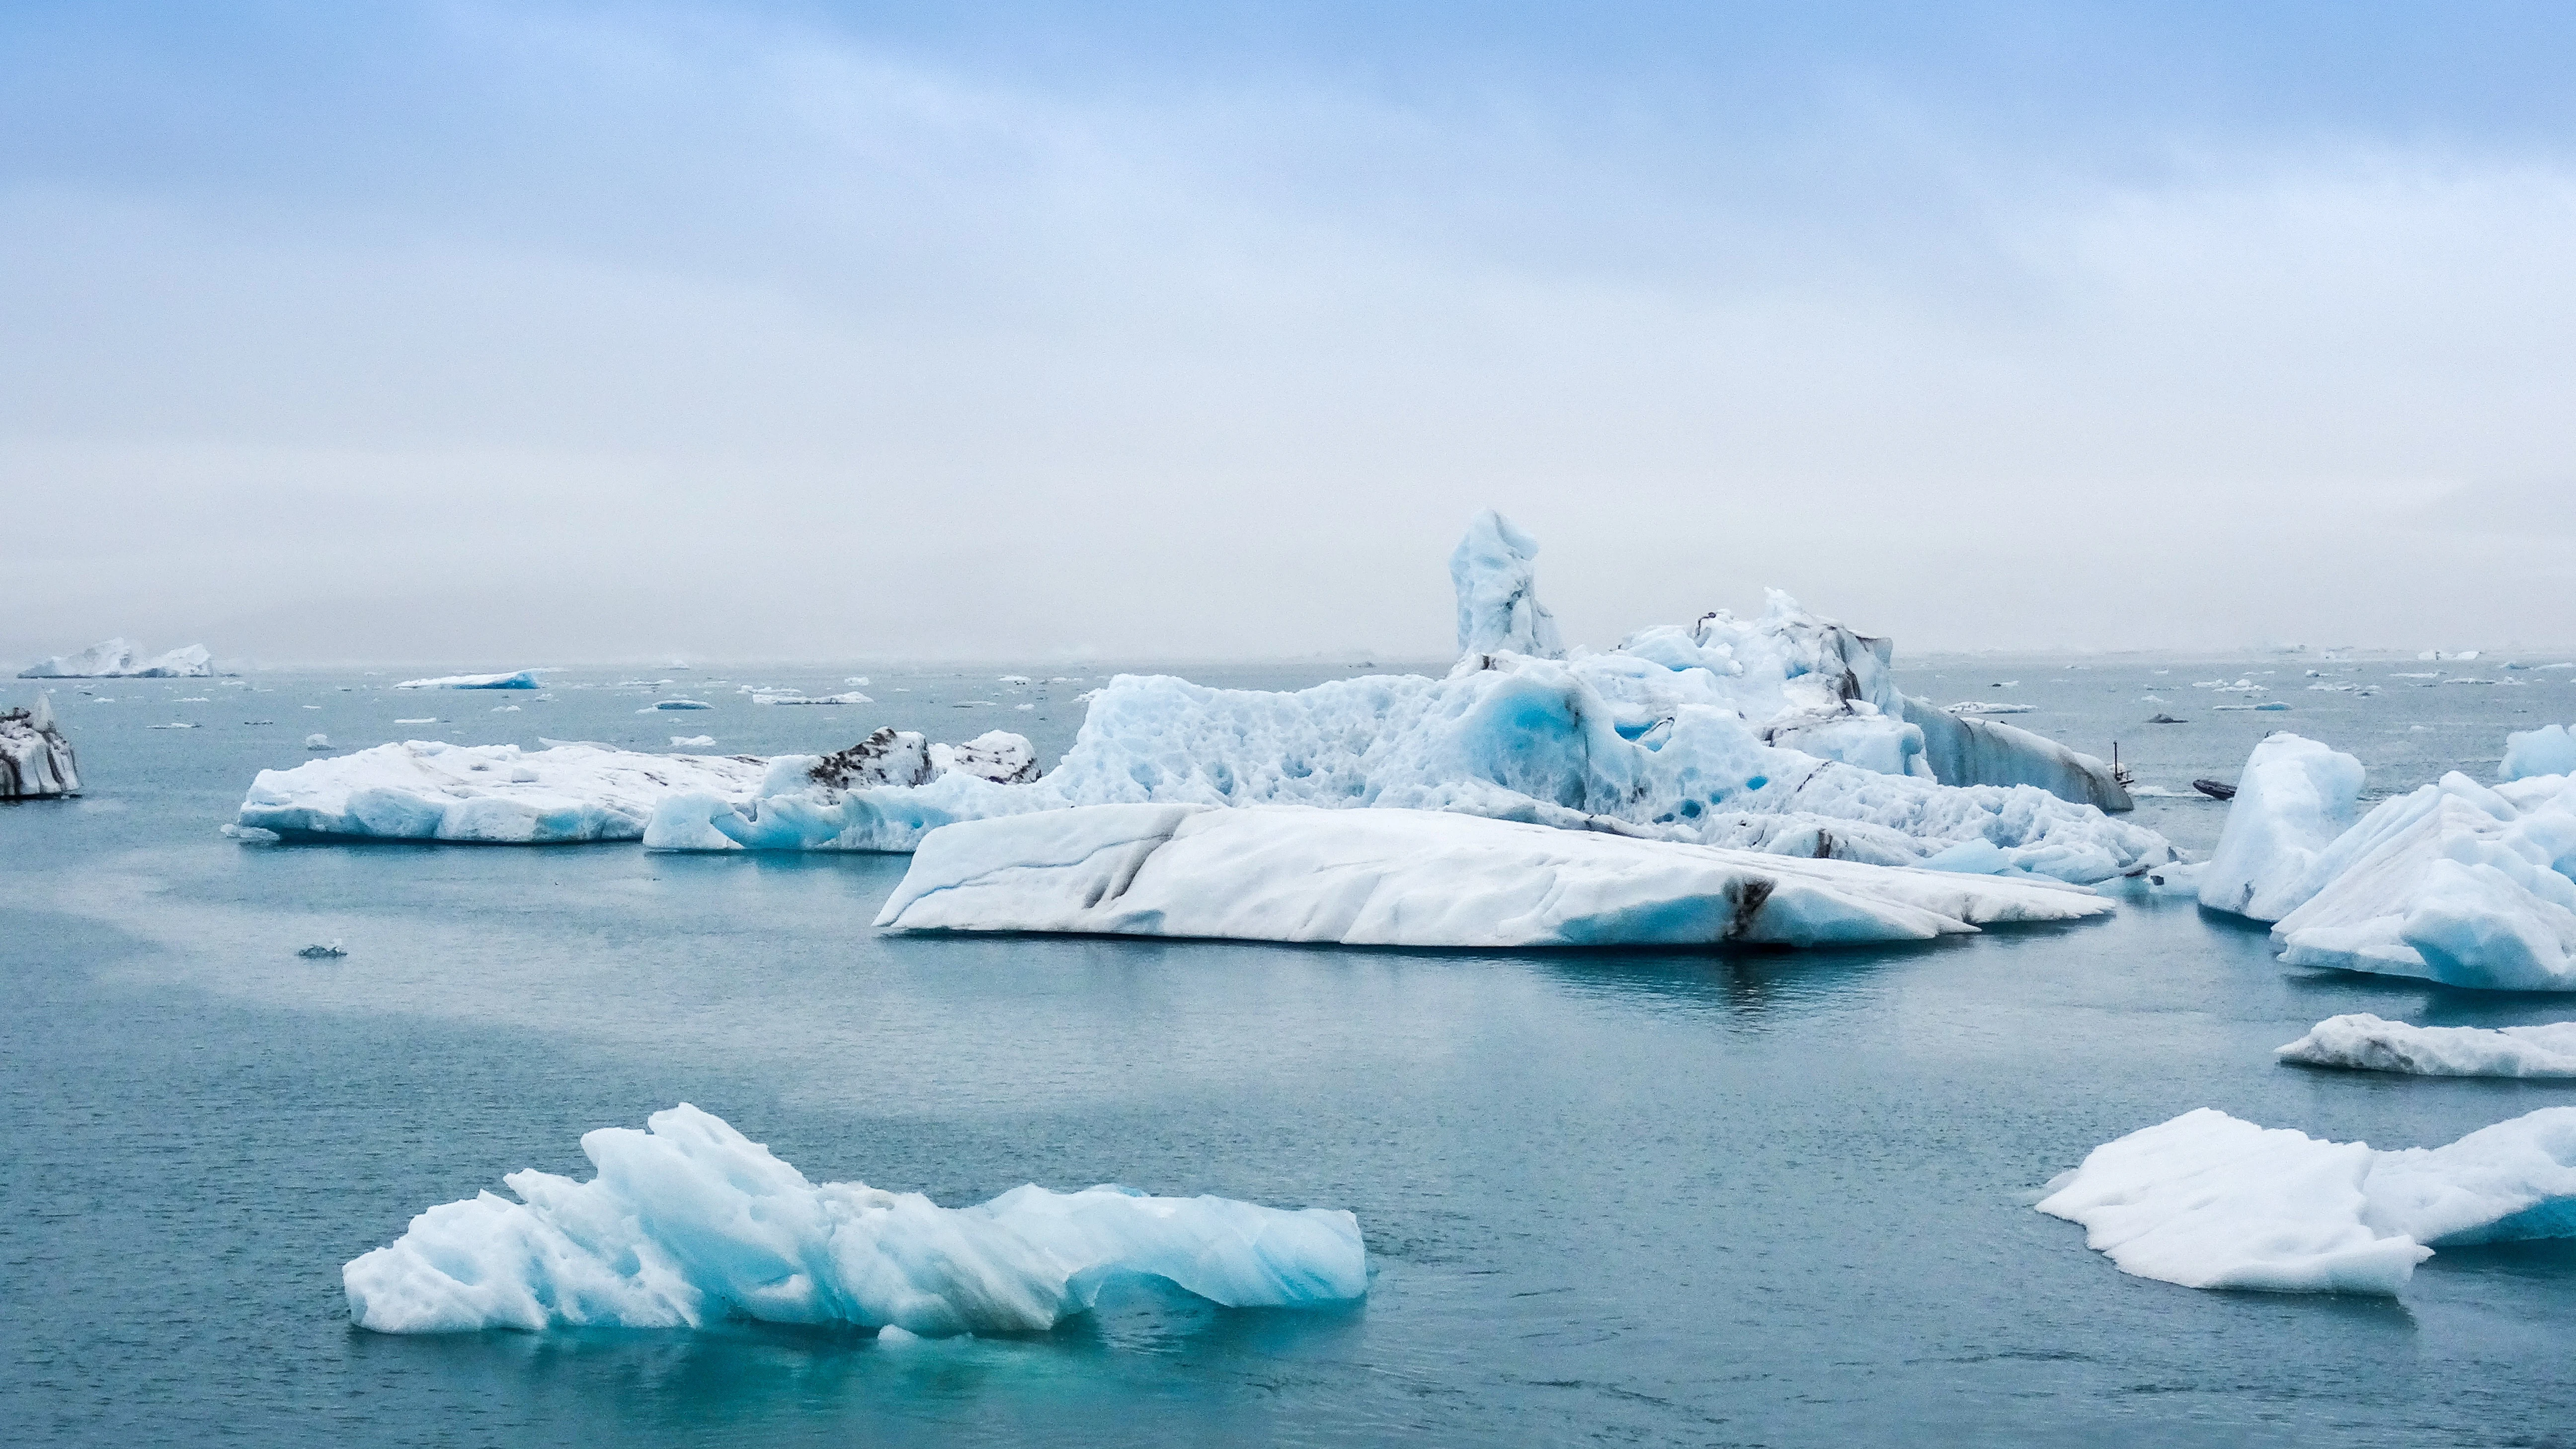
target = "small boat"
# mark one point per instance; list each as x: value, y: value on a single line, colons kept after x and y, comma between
x: 2214, y: 789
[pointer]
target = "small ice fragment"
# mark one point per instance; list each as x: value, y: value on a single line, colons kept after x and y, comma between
x: 505, y: 709
x: 248, y: 834
x: 895, y: 1335
x: 675, y: 704
x: 693, y: 741
x: 1013, y: 679
x: 433, y: 719
x: 319, y: 953
x: 316, y: 741
x: 857, y: 679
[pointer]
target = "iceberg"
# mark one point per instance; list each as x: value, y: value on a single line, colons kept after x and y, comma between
x: 2363, y: 1042
x: 2549, y: 750
x: 517, y: 679
x: 2210, y: 1201
x: 117, y: 659
x: 687, y: 1222
x: 882, y: 794
x: 1969, y: 751
x: 2293, y: 798
x: 1423, y: 878
x: 791, y: 697
x: 485, y: 794
x: 1494, y: 572
x: 35, y: 757
x: 1608, y: 742
x: 2455, y: 883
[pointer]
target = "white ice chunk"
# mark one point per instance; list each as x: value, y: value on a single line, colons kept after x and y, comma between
x: 317, y: 741
x: 2209, y: 1201
x: 2367, y: 1043
x: 688, y: 1222
x: 495, y: 794
x: 2549, y: 750
x: 517, y: 679
x: 1498, y: 607
x: 2293, y: 798
x: 1421, y: 878
x: 1968, y: 751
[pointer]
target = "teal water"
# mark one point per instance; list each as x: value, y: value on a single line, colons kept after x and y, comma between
x: 1758, y: 1198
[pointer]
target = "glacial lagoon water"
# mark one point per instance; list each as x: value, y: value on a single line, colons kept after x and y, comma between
x: 1631, y: 1197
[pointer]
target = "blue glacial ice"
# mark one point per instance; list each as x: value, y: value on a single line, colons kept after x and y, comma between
x: 1394, y: 877
x: 688, y: 1223
x: 2455, y: 882
x: 2209, y: 1201
x: 1494, y: 572
x: 2549, y: 750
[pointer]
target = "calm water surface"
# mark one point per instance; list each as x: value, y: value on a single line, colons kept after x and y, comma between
x: 1762, y: 1198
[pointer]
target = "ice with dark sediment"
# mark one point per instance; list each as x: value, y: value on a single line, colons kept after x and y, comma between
x: 36, y: 760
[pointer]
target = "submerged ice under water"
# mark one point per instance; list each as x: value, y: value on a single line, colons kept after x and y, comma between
x: 1638, y: 1196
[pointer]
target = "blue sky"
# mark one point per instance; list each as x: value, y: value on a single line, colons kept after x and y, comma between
x: 466, y: 330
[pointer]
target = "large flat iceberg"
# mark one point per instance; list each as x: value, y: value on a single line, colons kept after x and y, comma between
x: 2362, y: 1042
x: 1423, y: 878
x: 2209, y: 1201
x: 688, y: 1222
x: 515, y: 679
x: 117, y: 659
x: 483, y: 794
x: 2454, y: 882
x: 35, y: 758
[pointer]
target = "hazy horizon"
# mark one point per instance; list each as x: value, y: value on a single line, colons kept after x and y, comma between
x: 460, y: 331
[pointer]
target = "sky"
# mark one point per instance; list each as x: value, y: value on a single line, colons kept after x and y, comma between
x: 538, y: 332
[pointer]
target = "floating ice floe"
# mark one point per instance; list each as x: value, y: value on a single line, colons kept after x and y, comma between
x: 688, y: 1222
x: 692, y: 742
x: 2363, y: 1042
x: 2549, y: 750
x: 492, y: 794
x: 36, y: 760
x: 317, y: 742
x: 117, y: 659
x: 674, y: 704
x: 2209, y: 1201
x: 789, y: 697
x: 2455, y: 882
x: 1992, y: 706
x: 569, y: 791
x: 517, y: 679
x: 1425, y: 878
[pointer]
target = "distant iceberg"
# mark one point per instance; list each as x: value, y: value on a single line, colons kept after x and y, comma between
x: 2455, y: 882
x: 2362, y: 1042
x: 35, y: 757
x: 1423, y: 878
x: 117, y: 659
x: 688, y: 1223
x: 2209, y: 1201
x: 517, y: 679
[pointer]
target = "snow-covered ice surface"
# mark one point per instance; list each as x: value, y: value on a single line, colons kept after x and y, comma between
x: 36, y: 760
x: 2363, y: 1042
x: 516, y: 679
x: 688, y: 1222
x: 118, y: 659
x: 2209, y: 1201
x: 1423, y: 878
x: 2454, y: 882
x: 486, y: 794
